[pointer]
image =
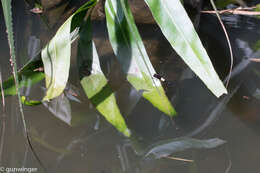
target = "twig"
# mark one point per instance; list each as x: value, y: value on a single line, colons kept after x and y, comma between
x: 228, y: 40
x: 254, y: 59
x: 2, y: 136
x: 236, y: 11
x: 2, y: 90
x: 229, y: 160
x: 179, y: 159
x: 2, y: 132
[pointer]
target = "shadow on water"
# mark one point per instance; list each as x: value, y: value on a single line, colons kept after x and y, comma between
x: 90, y: 144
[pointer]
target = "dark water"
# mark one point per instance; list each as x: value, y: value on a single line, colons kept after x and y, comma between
x: 92, y: 145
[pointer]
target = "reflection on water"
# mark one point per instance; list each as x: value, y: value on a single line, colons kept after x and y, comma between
x: 87, y: 143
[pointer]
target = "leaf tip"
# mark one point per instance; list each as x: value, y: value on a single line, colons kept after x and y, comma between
x: 45, y: 99
x: 127, y: 132
x: 220, y: 92
x: 170, y: 111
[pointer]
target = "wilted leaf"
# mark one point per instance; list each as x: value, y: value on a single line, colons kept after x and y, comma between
x: 130, y: 52
x: 178, y: 29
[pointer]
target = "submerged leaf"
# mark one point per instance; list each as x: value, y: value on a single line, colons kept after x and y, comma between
x: 95, y: 83
x: 56, y: 55
x: 41, y: 141
x: 168, y: 147
x: 178, y: 29
x: 130, y: 52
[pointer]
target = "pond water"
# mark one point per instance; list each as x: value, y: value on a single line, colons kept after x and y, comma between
x: 90, y: 144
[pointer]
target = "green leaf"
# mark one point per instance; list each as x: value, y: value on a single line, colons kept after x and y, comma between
x: 7, y: 10
x: 56, y: 54
x: 257, y: 7
x: 6, y: 5
x: 28, y: 75
x: 178, y: 29
x: 95, y: 83
x: 30, y: 102
x: 130, y: 52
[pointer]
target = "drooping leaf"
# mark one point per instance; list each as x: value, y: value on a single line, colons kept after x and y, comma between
x: 130, y: 52
x: 178, y: 29
x: 95, y: 83
x: 56, y: 54
x: 31, y: 73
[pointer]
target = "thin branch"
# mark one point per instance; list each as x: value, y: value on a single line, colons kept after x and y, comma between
x: 229, y: 160
x: 2, y: 136
x: 254, y: 59
x: 2, y: 132
x: 228, y: 41
x: 178, y: 159
x: 2, y: 90
x: 236, y: 11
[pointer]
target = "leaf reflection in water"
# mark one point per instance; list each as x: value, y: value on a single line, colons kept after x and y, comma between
x: 60, y: 106
x: 168, y: 147
x: 36, y: 137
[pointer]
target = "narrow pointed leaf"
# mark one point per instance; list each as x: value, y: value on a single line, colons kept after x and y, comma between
x: 7, y: 11
x: 178, y: 29
x: 56, y: 54
x: 130, y: 51
x: 95, y: 83
x: 6, y: 5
